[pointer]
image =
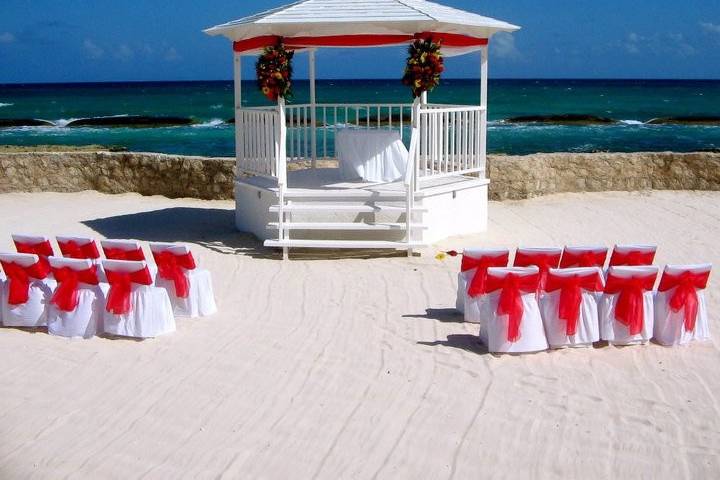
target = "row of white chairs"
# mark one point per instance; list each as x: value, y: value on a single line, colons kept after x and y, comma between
x: 533, y: 308
x: 83, y: 296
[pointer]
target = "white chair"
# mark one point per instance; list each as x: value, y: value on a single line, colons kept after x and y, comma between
x: 569, y: 306
x: 82, y: 248
x: 76, y: 307
x: 135, y: 307
x: 190, y: 288
x: 511, y: 316
x: 473, y: 270
x: 35, y: 245
x: 128, y: 250
x: 680, y: 308
x: 27, y: 290
x: 632, y: 255
x: 584, y: 257
x: 543, y: 258
x: 79, y: 248
x: 626, y: 307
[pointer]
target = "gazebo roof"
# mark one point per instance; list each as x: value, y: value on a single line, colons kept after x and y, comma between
x: 325, y: 18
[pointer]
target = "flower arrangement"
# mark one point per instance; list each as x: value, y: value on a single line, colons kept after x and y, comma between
x: 424, y: 66
x: 274, y: 72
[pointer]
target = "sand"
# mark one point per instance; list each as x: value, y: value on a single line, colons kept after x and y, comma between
x: 357, y: 368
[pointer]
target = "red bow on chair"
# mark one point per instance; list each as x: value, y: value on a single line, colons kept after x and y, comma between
x: 477, y: 283
x: 571, y: 288
x: 685, y: 295
x: 634, y: 258
x: 66, y: 296
x: 42, y: 250
x: 172, y: 267
x: 19, y: 280
x: 544, y: 261
x: 118, y: 301
x: 630, y: 308
x: 586, y: 258
x: 512, y: 287
x: 73, y: 249
x: 135, y: 255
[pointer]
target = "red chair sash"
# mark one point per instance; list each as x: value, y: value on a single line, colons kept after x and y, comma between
x: 685, y: 295
x: 544, y: 261
x: 511, y: 288
x: 629, y: 309
x: 19, y: 280
x: 586, y: 258
x: 172, y: 267
x: 135, y: 255
x: 634, y: 258
x: 42, y: 250
x: 73, y: 249
x: 476, y: 285
x: 118, y: 301
x: 67, y: 295
x: 571, y: 288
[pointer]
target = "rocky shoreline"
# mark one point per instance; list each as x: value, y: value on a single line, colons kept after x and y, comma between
x: 512, y: 177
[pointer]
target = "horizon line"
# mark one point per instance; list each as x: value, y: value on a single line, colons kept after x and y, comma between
x: 629, y: 79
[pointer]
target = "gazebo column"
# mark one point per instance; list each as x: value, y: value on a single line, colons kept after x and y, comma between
x: 484, y: 104
x: 237, y: 79
x: 313, y: 107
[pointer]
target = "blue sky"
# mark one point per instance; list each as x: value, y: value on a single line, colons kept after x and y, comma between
x: 102, y: 40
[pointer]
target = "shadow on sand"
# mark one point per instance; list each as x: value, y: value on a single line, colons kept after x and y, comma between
x: 465, y: 341
x: 444, y: 315
x: 212, y: 228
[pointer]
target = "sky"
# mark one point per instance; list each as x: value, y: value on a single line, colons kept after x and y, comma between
x: 103, y: 40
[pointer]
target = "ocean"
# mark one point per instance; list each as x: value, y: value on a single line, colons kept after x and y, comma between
x: 630, y: 102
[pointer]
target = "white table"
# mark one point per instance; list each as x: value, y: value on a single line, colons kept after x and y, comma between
x: 372, y: 155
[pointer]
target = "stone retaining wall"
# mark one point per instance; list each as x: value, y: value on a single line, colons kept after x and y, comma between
x: 513, y: 177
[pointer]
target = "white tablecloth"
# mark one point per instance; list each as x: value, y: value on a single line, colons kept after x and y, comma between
x: 373, y: 155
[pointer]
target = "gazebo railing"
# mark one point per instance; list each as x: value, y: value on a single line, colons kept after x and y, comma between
x: 449, y: 140
x: 329, y: 118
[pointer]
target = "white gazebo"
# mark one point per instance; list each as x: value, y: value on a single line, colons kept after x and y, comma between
x: 443, y: 190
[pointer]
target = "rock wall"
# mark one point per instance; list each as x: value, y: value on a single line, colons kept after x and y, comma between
x: 144, y: 173
x: 519, y: 177
x: 513, y: 177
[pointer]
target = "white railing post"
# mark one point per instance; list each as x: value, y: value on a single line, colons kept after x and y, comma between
x: 237, y: 83
x: 281, y: 171
x: 313, y: 113
x: 484, y: 105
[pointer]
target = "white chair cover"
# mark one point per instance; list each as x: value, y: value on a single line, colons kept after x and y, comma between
x: 544, y: 258
x: 134, y: 253
x: 150, y: 314
x: 584, y: 257
x: 200, y: 301
x: 87, y: 317
x: 612, y: 330
x: 494, y: 327
x: 464, y: 303
x: 669, y: 324
x: 632, y: 255
x: 32, y: 313
x: 87, y: 245
x: 587, y: 330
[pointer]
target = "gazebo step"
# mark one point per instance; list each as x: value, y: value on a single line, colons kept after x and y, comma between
x: 354, y: 194
x: 337, y: 226
x: 337, y: 207
x: 344, y: 244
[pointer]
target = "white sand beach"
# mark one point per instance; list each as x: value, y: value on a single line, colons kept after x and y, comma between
x: 357, y: 368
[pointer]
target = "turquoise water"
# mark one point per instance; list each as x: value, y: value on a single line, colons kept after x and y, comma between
x: 210, y: 103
